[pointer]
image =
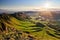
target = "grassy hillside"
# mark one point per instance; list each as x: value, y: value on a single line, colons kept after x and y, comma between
x: 13, y: 28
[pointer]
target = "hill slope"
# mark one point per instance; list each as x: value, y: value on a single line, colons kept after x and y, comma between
x: 19, y: 26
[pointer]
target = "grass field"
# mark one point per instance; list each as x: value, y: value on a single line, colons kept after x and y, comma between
x: 29, y: 26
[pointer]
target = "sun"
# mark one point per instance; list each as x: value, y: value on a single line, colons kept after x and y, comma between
x: 47, y: 5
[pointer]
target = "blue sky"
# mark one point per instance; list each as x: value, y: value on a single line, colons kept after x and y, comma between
x: 27, y: 4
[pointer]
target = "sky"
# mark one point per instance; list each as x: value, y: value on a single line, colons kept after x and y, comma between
x: 28, y: 4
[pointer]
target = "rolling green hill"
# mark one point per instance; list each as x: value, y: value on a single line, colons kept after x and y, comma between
x: 19, y: 26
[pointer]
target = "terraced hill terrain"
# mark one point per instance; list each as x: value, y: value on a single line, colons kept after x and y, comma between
x: 19, y: 26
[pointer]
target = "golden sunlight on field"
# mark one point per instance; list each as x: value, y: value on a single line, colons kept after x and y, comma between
x: 47, y: 14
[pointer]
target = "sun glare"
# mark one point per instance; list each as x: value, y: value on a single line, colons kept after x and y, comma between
x: 47, y: 5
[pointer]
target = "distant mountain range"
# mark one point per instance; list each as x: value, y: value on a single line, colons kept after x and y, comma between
x: 33, y: 11
x: 5, y: 11
x: 55, y: 13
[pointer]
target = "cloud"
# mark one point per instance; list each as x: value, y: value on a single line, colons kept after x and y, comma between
x: 20, y: 8
x: 24, y: 8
